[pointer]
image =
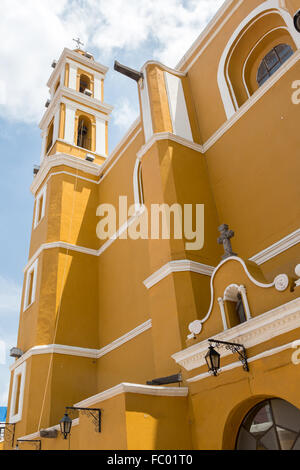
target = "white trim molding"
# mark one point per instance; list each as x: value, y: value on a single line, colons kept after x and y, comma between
x: 198, y: 324
x: 172, y: 137
x: 176, y: 267
x: 279, y: 247
x: 62, y: 159
x: 18, y: 388
x: 82, y: 352
x: 134, y: 388
x: 83, y: 165
x: 260, y: 258
x: 257, y: 330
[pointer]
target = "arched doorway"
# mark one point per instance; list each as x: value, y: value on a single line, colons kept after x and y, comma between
x: 271, y: 425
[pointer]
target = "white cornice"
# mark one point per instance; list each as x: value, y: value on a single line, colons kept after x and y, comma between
x: 258, y: 330
x: 64, y: 94
x: 87, y: 100
x: 134, y: 388
x: 125, y: 338
x: 83, y: 352
x: 277, y: 248
x: 68, y: 53
x: 176, y: 72
x: 168, y: 136
x: 175, y: 267
x: 60, y: 159
x: 82, y: 249
x: 83, y: 165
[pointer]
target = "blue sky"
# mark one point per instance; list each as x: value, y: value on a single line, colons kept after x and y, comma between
x: 34, y: 32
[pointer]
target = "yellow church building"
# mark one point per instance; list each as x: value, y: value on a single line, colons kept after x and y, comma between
x: 146, y: 342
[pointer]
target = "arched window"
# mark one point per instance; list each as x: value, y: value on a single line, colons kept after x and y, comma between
x: 234, y: 308
x: 270, y: 425
x: 266, y: 27
x: 272, y: 61
x: 50, y: 137
x: 84, y: 84
x: 84, y: 133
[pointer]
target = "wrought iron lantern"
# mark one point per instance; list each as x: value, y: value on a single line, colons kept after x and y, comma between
x: 65, y: 425
x: 213, y: 360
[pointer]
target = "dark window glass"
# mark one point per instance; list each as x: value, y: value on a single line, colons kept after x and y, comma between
x: 272, y: 61
x: 270, y: 425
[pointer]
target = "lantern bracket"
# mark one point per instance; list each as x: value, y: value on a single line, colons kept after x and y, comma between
x: 234, y: 348
x: 94, y: 413
x: 36, y: 442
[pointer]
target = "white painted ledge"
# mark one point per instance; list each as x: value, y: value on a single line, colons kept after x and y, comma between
x: 279, y: 247
x: 175, y: 267
x: 134, y: 388
x: 83, y: 352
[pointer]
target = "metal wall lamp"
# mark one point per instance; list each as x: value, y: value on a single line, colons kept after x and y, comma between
x: 171, y: 379
x: 213, y: 358
x: 36, y: 442
x: 66, y: 422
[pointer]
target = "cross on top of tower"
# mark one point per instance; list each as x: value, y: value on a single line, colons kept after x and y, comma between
x: 224, y: 240
x: 78, y: 42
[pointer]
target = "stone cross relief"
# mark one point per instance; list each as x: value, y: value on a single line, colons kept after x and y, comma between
x: 224, y: 240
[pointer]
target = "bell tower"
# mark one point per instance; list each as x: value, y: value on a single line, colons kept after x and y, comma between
x: 76, y: 119
x: 59, y: 308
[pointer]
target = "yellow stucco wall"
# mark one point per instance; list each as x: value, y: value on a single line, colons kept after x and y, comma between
x: 247, y: 178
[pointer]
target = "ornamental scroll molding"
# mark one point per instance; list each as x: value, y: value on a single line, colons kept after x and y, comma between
x: 196, y: 326
x: 258, y: 330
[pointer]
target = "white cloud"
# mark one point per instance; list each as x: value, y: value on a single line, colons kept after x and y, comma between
x: 36, y: 31
x: 124, y: 114
x: 10, y: 294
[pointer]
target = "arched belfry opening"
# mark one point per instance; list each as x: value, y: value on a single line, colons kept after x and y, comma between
x: 234, y: 306
x: 50, y: 137
x: 84, y: 133
x: 84, y: 83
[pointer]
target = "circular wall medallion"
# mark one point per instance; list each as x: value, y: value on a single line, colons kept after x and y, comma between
x: 281, y: 282
x: 195, y: 327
